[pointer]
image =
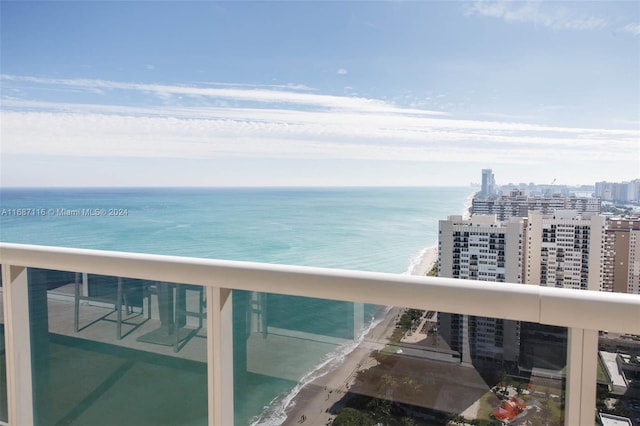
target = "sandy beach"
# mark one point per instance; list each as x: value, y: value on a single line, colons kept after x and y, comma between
x: 427, y: 259
x: 313, y: 404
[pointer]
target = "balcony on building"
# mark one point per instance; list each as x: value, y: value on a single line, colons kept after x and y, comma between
x: 98, y: 337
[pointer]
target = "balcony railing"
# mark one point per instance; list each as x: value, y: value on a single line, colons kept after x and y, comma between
x: 582, y: 312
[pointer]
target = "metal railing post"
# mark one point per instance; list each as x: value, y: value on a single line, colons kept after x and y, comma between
x: 582, y: 371
x: 17, y: 336
x: 220, y: 356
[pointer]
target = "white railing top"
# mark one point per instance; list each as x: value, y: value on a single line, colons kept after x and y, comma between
x: 564, y: 307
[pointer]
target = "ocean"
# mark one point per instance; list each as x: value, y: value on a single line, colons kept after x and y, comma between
x: 370, y: 229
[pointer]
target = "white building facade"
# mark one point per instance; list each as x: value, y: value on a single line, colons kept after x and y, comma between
x: 565, y: 250
x: 481, y: 248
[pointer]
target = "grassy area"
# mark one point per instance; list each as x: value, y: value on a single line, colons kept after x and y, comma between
x: 486, y: 406
x: 433, y: 272
x: 408, y: 320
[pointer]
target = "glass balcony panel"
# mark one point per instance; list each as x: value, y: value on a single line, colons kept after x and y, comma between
x: 115, y: 350
x: 281, y: 342
x: 317, y: 361
x: 3, y: 362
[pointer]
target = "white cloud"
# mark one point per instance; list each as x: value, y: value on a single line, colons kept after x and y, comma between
x: 545, y: 14
x: 283, y: 124
x: 342, y: 71
x: 632, y: 28
x: 236, y: 94
x: 218, y: 133
x: 150, y: 67
x: 503, y: 116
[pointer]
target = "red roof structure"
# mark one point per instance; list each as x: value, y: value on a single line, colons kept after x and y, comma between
x: 509, y: 409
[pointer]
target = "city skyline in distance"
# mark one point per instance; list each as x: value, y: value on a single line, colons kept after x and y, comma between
x: 318, y: 94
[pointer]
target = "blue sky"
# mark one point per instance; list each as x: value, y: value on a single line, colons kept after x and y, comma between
x: 318, y: 93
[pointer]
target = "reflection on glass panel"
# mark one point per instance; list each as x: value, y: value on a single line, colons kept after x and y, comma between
x: 3, y: 362
x: 618, y: 382
x: 281, y: 342
x: 306, y: 361
x: 114, y: 350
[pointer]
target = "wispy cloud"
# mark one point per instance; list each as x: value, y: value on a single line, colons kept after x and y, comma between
x: 503, y: 116
x: 632, y: 28
x: 102, y: 135
x: 342, y: 71
x: 258, y: 95
x: 279, y: 123
x: 545, y: 14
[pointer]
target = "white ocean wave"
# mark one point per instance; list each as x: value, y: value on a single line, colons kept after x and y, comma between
x: 275, y: 413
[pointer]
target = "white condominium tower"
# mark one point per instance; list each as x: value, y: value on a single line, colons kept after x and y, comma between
x: 564, y: 250
x: 481, y: 248
x: 484, y: 249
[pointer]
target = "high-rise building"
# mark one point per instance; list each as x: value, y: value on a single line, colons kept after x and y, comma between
x: 621, y: 256
x: 484, y: 249
x: 560, y: 250
x: 488, y: 183
x: 564, y: 250
x: 517, y: 204
x: 623, y: 192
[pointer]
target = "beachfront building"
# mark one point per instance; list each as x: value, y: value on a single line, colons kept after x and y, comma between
x: 517, y: 204
x: 561, y: 250
x: 564, y: 250
x: 484, y: 249
x: 621, y: 256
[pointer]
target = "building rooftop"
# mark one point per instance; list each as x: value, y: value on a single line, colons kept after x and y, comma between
x: 618, y: 381
x: 613, y: 420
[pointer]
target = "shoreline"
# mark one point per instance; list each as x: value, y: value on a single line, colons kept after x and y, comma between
x: 312, y: 404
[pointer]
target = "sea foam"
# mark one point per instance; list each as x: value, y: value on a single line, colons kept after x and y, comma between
x: 275, y: 413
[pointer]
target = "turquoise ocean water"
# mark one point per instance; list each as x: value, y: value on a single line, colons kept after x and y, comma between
x: 372, y: 229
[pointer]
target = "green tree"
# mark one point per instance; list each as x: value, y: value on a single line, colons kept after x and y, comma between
x: 433, y: 272
x: 353, y: 417
x: 407, y: 421
x: 380, y: 409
